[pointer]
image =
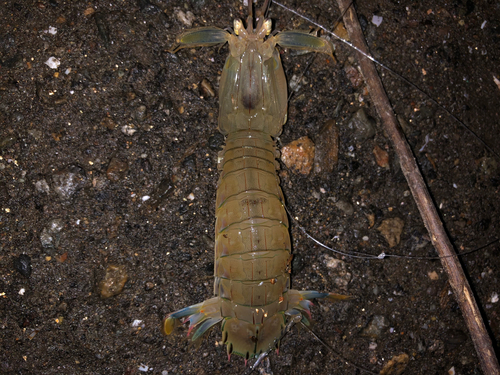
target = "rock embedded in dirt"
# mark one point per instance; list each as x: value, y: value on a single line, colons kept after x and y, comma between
x: 346, y: 207
x: 391, y: 229
x: 22, y: 264
x: 363, y: 125
x: 381, y: 157
x: 50, y: 235
x: 117, y: 170
x: 396, y: 365
x: 41, y: 186
x: 327, y: 148
x: 140, y: 113
x: 374, y: 329
x: 113, y: 282
x: 338, y: 270
x: 298, y: 155
x: 67, y: 181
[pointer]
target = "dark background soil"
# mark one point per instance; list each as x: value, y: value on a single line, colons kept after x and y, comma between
x: 72, y: 186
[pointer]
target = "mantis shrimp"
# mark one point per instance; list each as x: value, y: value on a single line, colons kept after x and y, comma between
x: 252, y: 242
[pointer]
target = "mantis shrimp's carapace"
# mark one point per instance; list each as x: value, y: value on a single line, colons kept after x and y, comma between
x: 252, y: 291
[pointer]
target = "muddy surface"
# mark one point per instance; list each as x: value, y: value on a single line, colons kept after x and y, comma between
x: 121, y: 119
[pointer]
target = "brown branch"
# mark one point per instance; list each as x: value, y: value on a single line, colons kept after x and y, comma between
x: 449, y: 260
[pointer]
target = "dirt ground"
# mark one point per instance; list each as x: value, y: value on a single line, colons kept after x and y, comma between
x: 121, y: 119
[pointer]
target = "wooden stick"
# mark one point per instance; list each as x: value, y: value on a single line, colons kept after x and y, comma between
x: 439, y: 238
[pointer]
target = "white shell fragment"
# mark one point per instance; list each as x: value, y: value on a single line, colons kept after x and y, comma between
x: 144, y: 368
x: 377, y: 20
x: 53, y: 63
x: 52, y: 30
x: 494, y: 297
x: 497, y: 81
x: 128, y: 130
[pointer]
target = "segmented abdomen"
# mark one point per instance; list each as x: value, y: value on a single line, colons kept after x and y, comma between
x: 252, y: 247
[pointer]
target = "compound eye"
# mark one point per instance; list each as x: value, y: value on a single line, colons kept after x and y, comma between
x: 238, y: 25
x: 268, y: 25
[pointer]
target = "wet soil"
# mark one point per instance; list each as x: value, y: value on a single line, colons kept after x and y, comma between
x: 122, y: 119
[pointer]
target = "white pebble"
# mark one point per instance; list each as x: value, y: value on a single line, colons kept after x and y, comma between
x: 143, y: 368
x: 128, y: 130
x: 377, y: 20
x: 494, y: 297
x: 145, y: 198
x: 186, y: 18
x: 53, y: 63
x: 136, y: 323
x: 22, y: 291
x: 372, y: 346
x: 191, y: 196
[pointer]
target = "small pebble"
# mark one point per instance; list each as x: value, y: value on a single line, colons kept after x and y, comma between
x: 53, y: 63
x: 143, y: 368
x: 50, y: 235
x: 375, y: 327
x: 338, y: 270
x: 68, y: 181
x: 140, y: 113
x: 363, y: 125
x: 108, y: 123
x: 377, y: 20
x: 206, y: 89
x: 128, y: 130
x: 22, y: 264
x: 7, y: 141
x: 117, y: 170
x: 186, y: 18
x: 494, y: 297
x: 42, y: 186
x: 327, y: 148
x: 396, y: 365
x: 113, y: 282
x: 354, y: 76
x: 381, y: 157
x: 216, y: 141
x: 433, y: 275
x: 346, y: 207
x: 136, y: 323
x: 298, y: 155
x: 391, y: 229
